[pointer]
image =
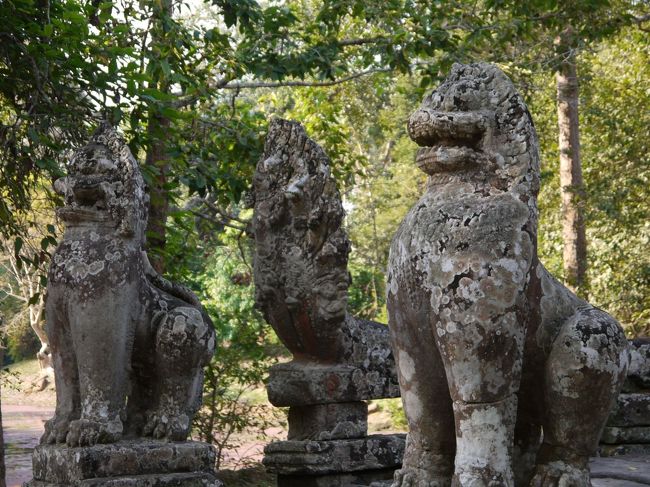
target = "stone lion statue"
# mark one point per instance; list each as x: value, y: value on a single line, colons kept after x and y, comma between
x: 507, y: 377
x: 128, y: 345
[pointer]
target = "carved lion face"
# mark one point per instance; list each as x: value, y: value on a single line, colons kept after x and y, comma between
x: 476, y: 121
x: 104, y: 184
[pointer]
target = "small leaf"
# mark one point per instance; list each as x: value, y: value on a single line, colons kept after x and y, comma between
x: 164, y: 65
x: 47, y: 241
x: 18, y: 245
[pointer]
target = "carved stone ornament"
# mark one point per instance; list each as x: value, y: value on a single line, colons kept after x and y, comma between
x: 491, y: 349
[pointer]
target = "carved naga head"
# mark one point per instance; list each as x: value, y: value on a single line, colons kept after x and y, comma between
x: 104, y: 186
x: 301, y: 250
x: 477, y: 125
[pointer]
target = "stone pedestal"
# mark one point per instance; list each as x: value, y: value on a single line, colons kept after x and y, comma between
x: 335, y: 463
x: 628, y: 427
x: 135, y: 463
x: 328, y: 421
x: 328, y: 443
x: 308, y: 383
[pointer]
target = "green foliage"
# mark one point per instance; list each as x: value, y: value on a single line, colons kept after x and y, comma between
x: 22, y: 342
x: 614, y: 94
x: 49, y: 81
x: 242, y: 357
x: 396, y: 411
x: 616, y: 152
x: 366, y: 295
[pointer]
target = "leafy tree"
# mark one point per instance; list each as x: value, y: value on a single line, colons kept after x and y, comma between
x: 616, y: 92
x: 242, y: 359
x: 24, y: 260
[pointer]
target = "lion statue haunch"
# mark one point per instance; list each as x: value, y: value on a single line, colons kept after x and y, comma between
x: 128, y: 345
x: 491, y: 349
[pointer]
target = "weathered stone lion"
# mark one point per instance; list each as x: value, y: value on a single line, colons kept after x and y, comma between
x: 128, y: 345
x: 491, y: 349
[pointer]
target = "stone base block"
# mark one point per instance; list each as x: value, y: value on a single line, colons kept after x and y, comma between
x: 613, y: 435
x: 631, y: 410
x: 628, y: 449
x: 375, y: 452
x: 126, y: 463
x: 307, y: 383
x: 638, y: 375
x: 329, y: 421
x: 364, y: 478
x: 201, y: 479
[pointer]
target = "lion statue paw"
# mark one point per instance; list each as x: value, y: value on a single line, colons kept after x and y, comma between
x: 419, y: 477
x: 560, y: 474
x: 86, y: 432
x: 56, y: 429
x: 173, y: 427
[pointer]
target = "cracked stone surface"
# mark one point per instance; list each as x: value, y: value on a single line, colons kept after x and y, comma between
x: 374, y: 452
x: 638, y: 378
x: 631, y: 409
x: 196, y: 479
x: 628, y: 426
x: 482, y: 334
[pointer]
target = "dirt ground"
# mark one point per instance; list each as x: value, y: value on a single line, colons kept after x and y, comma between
x: 23, y: 426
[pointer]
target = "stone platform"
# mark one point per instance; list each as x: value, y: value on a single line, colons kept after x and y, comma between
x: 305, y: 458
x: 335, y: 463
x: 622, y: 471
x: 134, y: 463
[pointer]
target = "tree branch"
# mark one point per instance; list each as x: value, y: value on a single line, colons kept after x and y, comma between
x: 182, y: 102
x: 360, y: 42
x: 224, y: 214
x: 21, y: 298
x: 217, y: 220
x: 641, y: 19
x: 262, y: 84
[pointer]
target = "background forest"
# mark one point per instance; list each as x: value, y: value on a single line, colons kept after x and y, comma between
x: 193, y: 84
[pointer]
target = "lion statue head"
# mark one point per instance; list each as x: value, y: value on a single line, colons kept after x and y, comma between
x: 476, y: 125
x: 104, y: 186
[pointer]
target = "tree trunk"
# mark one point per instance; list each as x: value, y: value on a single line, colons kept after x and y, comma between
x: 157, y: 153
x: 3, y: 472
x: 571, y: 183
x: 44, y: 356
x: 38, y: 325
x: 158, y: 159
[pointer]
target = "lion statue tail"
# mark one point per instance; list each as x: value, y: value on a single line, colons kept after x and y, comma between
x: 177, y: 290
